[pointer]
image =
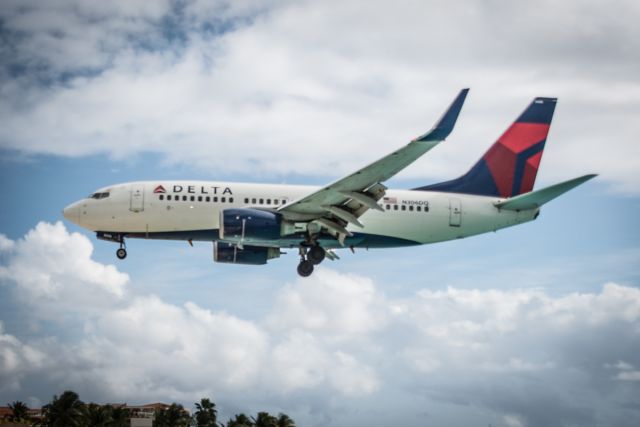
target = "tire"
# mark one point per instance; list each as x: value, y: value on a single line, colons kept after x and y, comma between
x: 305, y: 268
x: 316, y: 255
x: 121, y: 253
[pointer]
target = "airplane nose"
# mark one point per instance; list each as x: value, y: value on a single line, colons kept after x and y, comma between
x: 72, y: 213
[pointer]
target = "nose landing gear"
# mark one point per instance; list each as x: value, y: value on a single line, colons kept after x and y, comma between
x: 122, y: 252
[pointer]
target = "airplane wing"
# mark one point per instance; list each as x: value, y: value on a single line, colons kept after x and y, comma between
x: 342, y: 202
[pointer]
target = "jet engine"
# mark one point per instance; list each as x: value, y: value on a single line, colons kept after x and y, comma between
x: 248, y: 255
x: 249, y: 224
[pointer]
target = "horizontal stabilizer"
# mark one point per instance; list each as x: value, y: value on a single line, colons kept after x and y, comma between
x: 535, y: 199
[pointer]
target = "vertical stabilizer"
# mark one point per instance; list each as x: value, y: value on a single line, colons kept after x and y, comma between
x: 510, y: 166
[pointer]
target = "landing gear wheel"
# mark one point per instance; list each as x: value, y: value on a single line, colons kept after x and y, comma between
x: 316, y: 255
x: 121, y: 253
x: 305, y: 268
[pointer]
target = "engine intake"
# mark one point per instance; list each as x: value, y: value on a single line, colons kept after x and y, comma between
x: 248, y: 255
x: 249, y: 224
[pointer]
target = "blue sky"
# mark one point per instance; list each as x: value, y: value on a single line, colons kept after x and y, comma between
x: 533, y: 325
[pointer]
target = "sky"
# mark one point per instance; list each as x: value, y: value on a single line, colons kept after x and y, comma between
x: 534, y: 325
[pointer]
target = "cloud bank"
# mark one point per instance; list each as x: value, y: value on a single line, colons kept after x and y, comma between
x: 516, y: 357
x: 279, y: 88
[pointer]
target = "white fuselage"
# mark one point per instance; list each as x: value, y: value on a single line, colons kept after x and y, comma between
x: 190, y: 210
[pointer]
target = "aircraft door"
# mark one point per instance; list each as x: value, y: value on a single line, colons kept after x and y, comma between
x: 455, y: 213
x: 137, y: 198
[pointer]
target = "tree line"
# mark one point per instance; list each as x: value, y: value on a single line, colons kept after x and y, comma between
x: 67, y: 410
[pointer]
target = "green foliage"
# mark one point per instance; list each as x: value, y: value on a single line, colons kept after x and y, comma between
x: 65, y: 411
x: 120, y: 417
x: 99, y: 416
x: 241, y: 420
x: 206, y: 414
x: 285, y: 421
x: 173, y: 416
x: 19, y: 412
x: 264, y: 419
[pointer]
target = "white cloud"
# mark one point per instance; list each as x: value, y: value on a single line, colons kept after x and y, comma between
x: 16, y: 360
x: 53, y: 271
x: 626, y: 371
x: 273, y: 82
x: 6, y: 244
x: 332, y: 305
x: 513, y: 421
x: 330, y: 343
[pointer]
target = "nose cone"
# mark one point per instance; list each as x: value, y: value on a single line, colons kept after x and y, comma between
x: 72, y: 213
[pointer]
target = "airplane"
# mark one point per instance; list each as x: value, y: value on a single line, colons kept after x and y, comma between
x: 250, y: 223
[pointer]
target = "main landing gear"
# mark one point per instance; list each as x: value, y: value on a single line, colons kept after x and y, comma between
x: 309, y: 258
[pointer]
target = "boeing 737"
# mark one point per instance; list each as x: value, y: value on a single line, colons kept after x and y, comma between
x: 251, y: 223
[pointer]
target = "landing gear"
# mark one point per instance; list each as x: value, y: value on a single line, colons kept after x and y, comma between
x: 305, y: 268
x: 121, y: 253
x: 310, y: 257
x: 316, y: 255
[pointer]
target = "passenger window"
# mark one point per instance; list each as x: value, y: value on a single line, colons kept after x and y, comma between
x: 268, y: 201
x: 215, y: 199
x: 253, y: 201
x: 246, y: 200
x: 207, y: 199
x: 230, y: 199
x: 404, y: 208
x: 161, y: 197
x: 411, y: 208
x: 223, y: 199
x: 184, y: 198
x: 388, y: 207
x: 168, y: 196
x: 426, y: 208
x: 284, y: 202
x: 199, y: 198
x: 395, y: 207
x: 262, y: 201
x: 418, y: 208
x: 193, y: 198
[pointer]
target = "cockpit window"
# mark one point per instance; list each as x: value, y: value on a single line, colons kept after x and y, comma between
x: 99, y: 195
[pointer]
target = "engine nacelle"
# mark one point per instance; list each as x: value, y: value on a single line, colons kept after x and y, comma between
x: 249, y: 224
x: 248, y: 255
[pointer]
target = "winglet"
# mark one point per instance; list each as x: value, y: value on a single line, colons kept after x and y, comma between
x: 535, y: 199
x: 443, y: 128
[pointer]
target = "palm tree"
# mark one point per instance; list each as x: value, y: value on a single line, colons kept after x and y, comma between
x: 241, y: 420
x: 20, y: 411
x: 285, y: 421
x: 173, y: 416
x: 121, y: 417
x: 65, y: 411
x: 265, y: 420
x: 206, y: 413
x: 99, y: 416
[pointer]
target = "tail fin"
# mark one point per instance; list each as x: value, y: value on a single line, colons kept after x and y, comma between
x: 510, y: 166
